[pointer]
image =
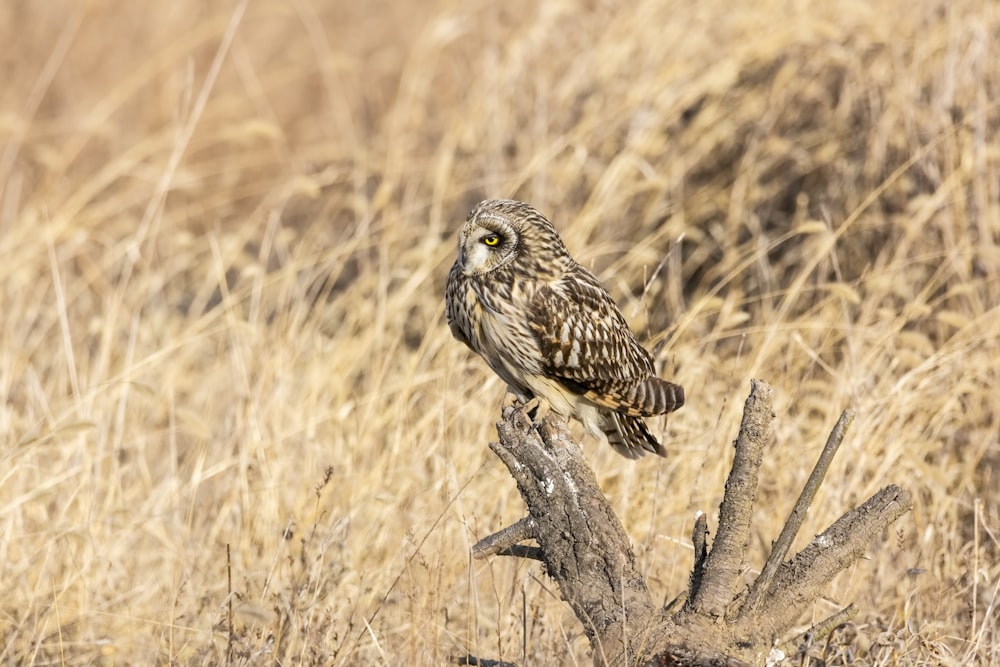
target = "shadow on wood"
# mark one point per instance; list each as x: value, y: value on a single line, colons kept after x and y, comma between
x: 585, y: 550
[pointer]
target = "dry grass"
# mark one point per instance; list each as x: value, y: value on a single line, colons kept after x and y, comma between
x: 225, y: 236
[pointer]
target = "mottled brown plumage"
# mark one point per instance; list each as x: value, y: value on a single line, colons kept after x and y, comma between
x: 549, y: 328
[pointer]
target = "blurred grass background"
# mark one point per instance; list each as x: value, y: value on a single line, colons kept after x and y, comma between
x: 225, y: 373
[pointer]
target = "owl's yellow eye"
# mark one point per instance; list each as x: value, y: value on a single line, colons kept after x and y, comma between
x: 492, y: 240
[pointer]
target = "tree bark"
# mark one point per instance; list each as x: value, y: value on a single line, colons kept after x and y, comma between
x: 585, y: 550
x: 583, y: 545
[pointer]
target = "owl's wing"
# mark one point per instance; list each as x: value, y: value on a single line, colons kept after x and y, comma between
x: 586, y: 345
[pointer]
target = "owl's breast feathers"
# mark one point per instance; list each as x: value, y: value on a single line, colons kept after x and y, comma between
x: 484, y: 314
x: 456, y: 306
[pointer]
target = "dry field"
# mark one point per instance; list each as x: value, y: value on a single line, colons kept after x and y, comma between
x: 229, y: 396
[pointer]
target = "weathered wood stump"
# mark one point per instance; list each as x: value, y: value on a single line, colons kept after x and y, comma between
x: 587, y: 553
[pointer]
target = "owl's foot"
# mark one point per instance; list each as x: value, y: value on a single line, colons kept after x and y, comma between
x: 535, y: 409
x: 511, y: 401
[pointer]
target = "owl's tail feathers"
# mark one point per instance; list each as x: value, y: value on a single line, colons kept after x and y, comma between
x: 630, y: 436
x: 653, y: 396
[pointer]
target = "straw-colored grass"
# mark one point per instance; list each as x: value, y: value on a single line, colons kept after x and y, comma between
x: 225, y: 374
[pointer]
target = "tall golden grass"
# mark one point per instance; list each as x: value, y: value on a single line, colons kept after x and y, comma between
x: 226, y: 379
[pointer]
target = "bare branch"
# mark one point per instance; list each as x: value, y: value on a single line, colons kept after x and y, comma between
x: 725, y: 560
x: 505, y: 538
x: 801, y: 580
x: 581, y: 541
x: 784, y: 542
x: 479, y: 662
x: 699, y: 539
x: 821, y: 630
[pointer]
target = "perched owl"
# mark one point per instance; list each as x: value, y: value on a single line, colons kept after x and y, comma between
x: 549, y: 328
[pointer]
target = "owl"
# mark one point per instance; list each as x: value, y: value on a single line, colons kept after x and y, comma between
x: 549, y: 328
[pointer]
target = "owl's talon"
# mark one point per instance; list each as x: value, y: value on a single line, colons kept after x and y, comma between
x: 511, y: 402
x: 536, y: 410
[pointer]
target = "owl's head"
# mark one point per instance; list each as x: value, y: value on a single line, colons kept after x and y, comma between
x: 501, y: 231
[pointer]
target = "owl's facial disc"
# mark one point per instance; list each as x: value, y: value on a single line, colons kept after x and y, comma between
x: 485, y: 248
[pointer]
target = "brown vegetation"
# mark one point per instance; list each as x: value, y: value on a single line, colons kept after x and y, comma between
x: 224, y: 232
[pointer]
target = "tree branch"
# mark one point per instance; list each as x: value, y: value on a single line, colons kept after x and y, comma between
x: 504, y: 540
x: 784, y: 542
x: 725, y: 560
x: 801, y: 580
x: 583, y: 545
x: 699, y: 540
x: 820, y: 630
